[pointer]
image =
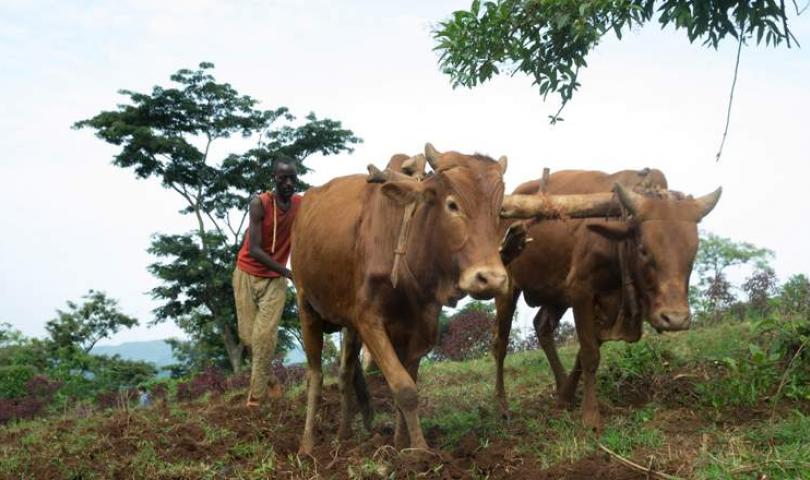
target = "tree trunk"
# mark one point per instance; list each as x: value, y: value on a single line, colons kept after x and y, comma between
x: 543, y: 206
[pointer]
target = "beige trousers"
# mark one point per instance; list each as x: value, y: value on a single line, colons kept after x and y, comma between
x: 259, y: 305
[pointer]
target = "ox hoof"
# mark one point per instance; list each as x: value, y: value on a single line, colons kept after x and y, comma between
x: 368, y: 421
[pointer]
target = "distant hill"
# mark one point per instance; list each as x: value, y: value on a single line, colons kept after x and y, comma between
x: 156, y: 351
x: 160, y: 353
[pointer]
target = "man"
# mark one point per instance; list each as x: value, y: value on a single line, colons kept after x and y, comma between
x: 260, y: 277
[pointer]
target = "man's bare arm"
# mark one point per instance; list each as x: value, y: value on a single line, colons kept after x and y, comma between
x: 255, y: 244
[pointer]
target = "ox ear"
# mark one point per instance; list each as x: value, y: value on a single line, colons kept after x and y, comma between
x: 402, y: 192
x: 503, y: 162
x: 612, y: 231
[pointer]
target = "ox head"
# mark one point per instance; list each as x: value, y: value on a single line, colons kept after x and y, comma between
x: 454, y: 233
x: 664, y: 235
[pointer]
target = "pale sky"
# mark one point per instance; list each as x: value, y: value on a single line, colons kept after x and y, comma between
x: 72, y: 221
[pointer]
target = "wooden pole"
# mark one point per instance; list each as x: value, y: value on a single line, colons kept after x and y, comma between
x: 544, y: 206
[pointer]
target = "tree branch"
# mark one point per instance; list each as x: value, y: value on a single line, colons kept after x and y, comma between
x: 230, y: 227
x: 784, y: 24
x: 629, y: 463
x: 731, y: 95
x: 241, y: 224
x: 216, y: 225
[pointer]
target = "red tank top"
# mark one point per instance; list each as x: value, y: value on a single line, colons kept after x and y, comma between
x: 283, y: 233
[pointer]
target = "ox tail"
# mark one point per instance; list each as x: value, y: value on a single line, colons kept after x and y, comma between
x: 361, y: 392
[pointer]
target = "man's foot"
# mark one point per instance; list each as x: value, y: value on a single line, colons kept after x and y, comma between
x: 274, y: 392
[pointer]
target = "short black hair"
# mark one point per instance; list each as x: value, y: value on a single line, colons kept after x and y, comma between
x: 282, y: 159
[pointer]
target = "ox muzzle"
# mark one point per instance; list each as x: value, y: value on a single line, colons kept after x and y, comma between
x: 483, y: 283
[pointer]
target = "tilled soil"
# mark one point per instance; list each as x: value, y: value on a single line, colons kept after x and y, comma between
x: 212, y: 432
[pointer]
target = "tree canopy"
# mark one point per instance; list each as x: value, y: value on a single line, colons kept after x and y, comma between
x: 549, y: 40
x: 80, y: 327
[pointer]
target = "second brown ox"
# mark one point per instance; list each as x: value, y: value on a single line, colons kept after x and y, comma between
x: 613, y: 273
x: 344, y: 246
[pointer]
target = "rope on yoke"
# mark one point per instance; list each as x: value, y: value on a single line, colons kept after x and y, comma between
x: 629, y: 299
x: 400, y: 249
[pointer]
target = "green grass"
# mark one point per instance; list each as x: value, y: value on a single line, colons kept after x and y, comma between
x: 778, y: 449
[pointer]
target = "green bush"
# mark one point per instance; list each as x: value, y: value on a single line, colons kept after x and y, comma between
x: 13, y: 379
x: 775, y: 364
x: 742, y: 381
x: 787, y: 339
x: 633, y: 368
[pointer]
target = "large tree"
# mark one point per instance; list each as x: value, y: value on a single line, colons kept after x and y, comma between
x: 549, y: 40
x: 167, y: 135
x: 715, y: 256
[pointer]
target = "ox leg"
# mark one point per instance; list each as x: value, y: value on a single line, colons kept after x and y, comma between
x: 589, y: 360
x: 569, y: 386
x: 399, y: 380
x: 545, y: 323
x: 312, y: 332
x: 505, y: 305
x: 401, y: 436
x: 349, y: 350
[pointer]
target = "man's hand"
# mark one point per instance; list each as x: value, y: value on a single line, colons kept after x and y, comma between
x: 287, y: 273
x: 514, y: 241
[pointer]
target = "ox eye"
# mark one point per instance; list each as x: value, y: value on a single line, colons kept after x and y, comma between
x: 452, y: 205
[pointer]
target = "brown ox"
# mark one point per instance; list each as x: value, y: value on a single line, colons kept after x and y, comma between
x: 578, y: 264
x: 343, y: 253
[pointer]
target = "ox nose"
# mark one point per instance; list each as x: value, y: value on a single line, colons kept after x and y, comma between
x: 674, y: 319
x: 484, y: 283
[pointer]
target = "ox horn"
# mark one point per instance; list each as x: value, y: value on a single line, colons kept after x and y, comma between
x: 415, y: 166
x: 707, y: 202
x: 432, y: 155
x: 631, y: 200
x: 503, y: 162
x: 375, y: 175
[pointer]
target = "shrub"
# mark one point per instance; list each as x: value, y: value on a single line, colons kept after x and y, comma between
x: 795, y: 296
x: 42, y: 387
x: 633, y: 371
x: 740, y: 381
x: 468, y: 336
x: 289, y: 374
x: 159, y: 391
x: 38, y: 393
x: 116, y: 398
x: 787, y: 339
x: 759, y: 287
x: 210, y: 380
x: 776, y: 364
x: 13, y: 380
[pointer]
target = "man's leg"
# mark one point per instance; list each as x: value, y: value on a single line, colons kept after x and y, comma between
x: 270, y: 294
x: 245, y: 306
